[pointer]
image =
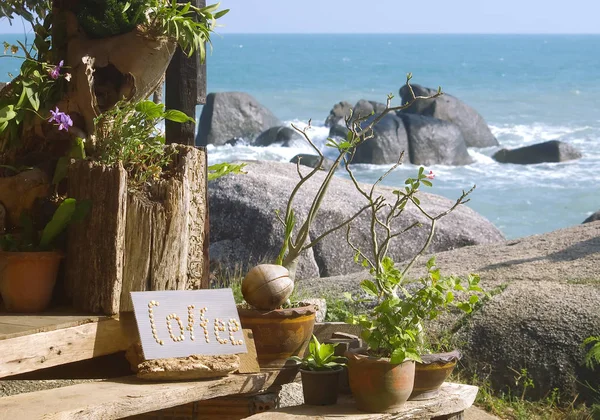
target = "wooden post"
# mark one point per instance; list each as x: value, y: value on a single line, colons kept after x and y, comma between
x: 186, y: 88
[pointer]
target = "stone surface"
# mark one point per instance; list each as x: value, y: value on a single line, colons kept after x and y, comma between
x: 593, y: 218
x: 244, y: 228
x: 312, y: 161
x: 337, y: 114
x: 548, y: 307
x: 228, y: 115
x: 320, y: 305
x: 433, y: 141
x: 390, y: 141
x: 18, y: 193
x: 449, y: 108
x: 364, y: 108
x: 188, y: 368
x: 549, y: 151
x: 284, y: 136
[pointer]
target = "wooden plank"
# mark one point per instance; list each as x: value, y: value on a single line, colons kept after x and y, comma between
x: 82, y: 341
x: 20, y: 325
x: 123, y: 397
x: 249, y: 360
x: 182, y: 92
x: 94, y: 267
x: 453, y: 399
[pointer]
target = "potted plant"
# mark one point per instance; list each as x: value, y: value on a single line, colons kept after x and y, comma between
x: 320, y: 370
x: 29, y: 263
x: 280, y: 331
x: 382, y: 374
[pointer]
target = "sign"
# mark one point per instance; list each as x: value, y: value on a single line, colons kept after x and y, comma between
x: 179, y: 323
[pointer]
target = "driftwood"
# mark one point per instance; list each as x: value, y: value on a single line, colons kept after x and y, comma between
x: 152, y: 240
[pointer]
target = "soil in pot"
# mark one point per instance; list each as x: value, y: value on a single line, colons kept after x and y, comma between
x: 431, y: 374
x: 377, y: 385
x: 27, y: 280
x: 280, y: 333
x: 320, y: 387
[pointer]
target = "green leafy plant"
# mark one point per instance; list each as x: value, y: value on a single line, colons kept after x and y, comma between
x: 30, y: 10
x: 31, y: 240
x: 129, y: 134
x: 592, y: 357
x: 296, y: 236
x: 320, y: 357
x: 105, y: 18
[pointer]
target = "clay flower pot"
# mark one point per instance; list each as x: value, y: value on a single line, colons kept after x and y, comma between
x: 280, y: 333
x: 431, y: 374
x: 27, y: 279
x: 377, y: 385
x: 320, y: 387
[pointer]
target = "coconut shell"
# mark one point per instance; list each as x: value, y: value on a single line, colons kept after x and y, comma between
x: 267, y: 286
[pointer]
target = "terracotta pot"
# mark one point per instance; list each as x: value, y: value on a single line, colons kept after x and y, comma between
x: 27, y: 279
x: 280, y: 333
x: 431, y: 374
x: 320, y: 387
x: 377, y: 385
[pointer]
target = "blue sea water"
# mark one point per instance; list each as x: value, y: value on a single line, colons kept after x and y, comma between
x: 529, y: 88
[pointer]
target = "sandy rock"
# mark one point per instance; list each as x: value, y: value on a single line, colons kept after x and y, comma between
x: 19, y: 192
x: 549, y: 151
x: 188, y: 368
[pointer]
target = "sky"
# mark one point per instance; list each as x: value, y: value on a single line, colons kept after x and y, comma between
x: 402, y: 16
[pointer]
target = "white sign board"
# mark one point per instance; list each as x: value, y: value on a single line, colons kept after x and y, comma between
x: 179, y: 323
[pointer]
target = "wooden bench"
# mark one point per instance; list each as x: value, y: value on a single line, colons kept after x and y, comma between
x: 453, y: 400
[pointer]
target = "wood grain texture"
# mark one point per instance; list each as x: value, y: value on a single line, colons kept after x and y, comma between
x: 17, y: 325
x: 249, y: 360
x: 94, y: 263
x: 86, y: 339
x: 123, y: 397
x: 453, y: 399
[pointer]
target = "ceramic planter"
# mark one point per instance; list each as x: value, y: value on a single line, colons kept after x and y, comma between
x: 320, y: 387
x: 27, y: 279
x: 431, y: 374
x: 377, y: 385
x: 280, y: 333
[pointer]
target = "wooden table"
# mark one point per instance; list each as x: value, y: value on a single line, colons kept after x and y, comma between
x: 450, y: 404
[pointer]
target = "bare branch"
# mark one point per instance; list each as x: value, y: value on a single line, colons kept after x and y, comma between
x: 315, y: 241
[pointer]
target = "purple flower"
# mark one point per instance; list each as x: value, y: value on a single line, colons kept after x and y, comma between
x: 55, y: 72
x: 62, y: 120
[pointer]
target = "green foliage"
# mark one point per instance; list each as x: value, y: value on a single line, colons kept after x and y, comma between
x: 592, y: 358
x: 189, y: 25
x: 320, y: 357
x: 128, y: 134
x: 30, y: 240
x: 28, y: 9
x: 221, y: 169
x: 105, y: 18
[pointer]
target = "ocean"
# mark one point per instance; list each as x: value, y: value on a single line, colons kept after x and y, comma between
x: 529, y: 88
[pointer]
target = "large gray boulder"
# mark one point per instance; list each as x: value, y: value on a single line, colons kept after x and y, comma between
x: 312, y: 161
x: 285, y: 136
x: 389, y: 141
x: 432, y: 141
x: 244, y: 229
x: 448, y: 108
x: 549, y: 151
x: 229, y: 115
x: 548, y: 306
x: 338, y: 113
x: 594, y: 217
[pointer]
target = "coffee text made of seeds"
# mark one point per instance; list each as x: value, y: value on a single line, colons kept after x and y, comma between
x: 178, y: 323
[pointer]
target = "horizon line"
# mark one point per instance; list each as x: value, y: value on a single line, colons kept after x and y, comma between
x: 408, y: 33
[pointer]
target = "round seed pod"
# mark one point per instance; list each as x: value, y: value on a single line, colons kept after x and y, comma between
x: 267, y: 286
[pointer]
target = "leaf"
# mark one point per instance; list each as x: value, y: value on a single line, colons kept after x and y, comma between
x: 426, y: 182
x: 369, y: 287
x: 7, y: 113
x: 60, y: 220
x: 398, y: 356
x: 150, y: 109
x: 61, y: 170
x: 177, y: 116
x: 473, y: 299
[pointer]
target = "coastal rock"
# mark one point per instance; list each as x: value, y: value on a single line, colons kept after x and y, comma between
x: 432, y: 141
x: 389, y: 141
x: 285, y: 136
x: 2, y: 84
x: 549, y: 151
x: 548, y: 307
x: 594, y: 217
x: 245, y: 231
x: 449, y: 108
x: 364, y: 108
x: 337, y: 114
x: 228, y: 115
x: 312, y: 161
